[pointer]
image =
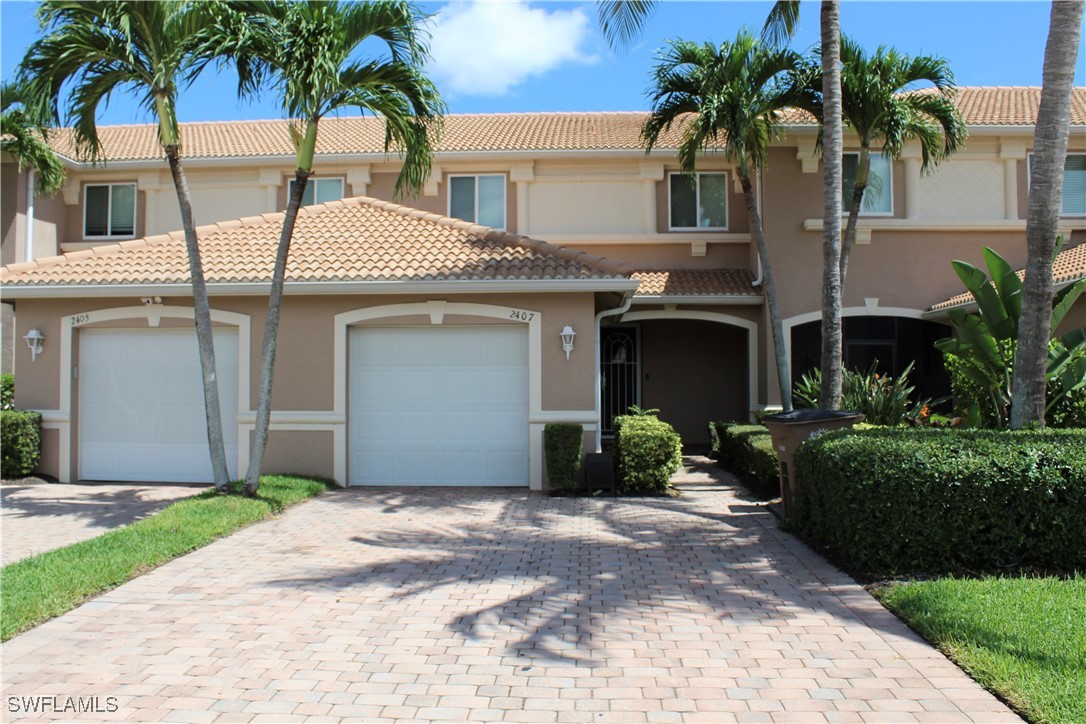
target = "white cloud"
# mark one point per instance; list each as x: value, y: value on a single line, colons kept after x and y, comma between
x: 486, y: 48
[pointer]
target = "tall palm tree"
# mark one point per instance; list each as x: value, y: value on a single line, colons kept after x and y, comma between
x: 622, y: 20
x: 144, y: 48
x: 877, y: 105
x: 729, y: 99
x: 24, y: 136
x: 1042, y: 217
x: 307, y: 50
x: 832, y: 143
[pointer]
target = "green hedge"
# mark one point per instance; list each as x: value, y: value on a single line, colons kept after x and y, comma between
x: 7, y: 392
x: 563, y: 445
x: 943, y: 500
x: 648, y: 451
x: 20, y: 443
x: 747, y: 452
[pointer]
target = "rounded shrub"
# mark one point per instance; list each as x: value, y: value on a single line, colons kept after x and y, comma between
x: 20, y: 443
x: 648, y: 451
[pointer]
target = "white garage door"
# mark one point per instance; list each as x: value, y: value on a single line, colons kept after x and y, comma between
x: 141, y: 405
x: 439, y: 406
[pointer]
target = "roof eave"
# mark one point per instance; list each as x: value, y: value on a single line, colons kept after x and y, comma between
x: 969, y: 307
x: 449, y: 286
x: 707, y: 299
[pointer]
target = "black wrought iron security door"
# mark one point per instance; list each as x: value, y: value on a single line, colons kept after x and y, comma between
x: 619, y: 378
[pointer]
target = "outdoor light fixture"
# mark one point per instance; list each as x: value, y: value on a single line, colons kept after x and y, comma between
x: 34, y: 340
x: 567, y: 335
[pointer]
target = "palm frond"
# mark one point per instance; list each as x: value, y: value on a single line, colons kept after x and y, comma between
x: 622, y: 20
x: 781, y: 23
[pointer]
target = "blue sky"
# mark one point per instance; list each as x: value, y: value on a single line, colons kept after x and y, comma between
x: 511, y: 55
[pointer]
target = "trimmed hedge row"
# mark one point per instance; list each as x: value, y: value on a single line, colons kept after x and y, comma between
x: 885, y: 502
x: 747, y: 452
x: 20, y: 443
x: 563, y: 445
x: 7, y: 392
x: 648, y: 451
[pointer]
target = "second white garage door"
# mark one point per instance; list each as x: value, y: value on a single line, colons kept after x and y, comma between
x: 439, y: 406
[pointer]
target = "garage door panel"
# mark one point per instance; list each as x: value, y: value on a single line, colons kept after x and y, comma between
x: 459, y: 397
x: 142, y: 408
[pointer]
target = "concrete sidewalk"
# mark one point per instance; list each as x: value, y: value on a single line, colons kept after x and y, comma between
x: 498, y: 605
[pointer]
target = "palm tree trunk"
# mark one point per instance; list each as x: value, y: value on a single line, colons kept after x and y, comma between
x: 271, y: 332
x: 202, y: 314
x: 770, y: 286
x: 830, y: 397
x: 863, y: 172
x: 1042, y: 220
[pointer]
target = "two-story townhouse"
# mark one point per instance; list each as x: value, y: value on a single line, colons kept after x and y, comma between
x: 422, y: 341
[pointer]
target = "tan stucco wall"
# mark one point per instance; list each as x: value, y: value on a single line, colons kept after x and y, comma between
x: 305, y: 359
x: 672, y: 256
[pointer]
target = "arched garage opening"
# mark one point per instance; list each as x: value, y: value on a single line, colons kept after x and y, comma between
x: 694, y: 366
x: 888, y: 342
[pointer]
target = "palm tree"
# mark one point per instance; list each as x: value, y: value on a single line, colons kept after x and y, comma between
x: 730, y: 99
x: 621, y: 20
x: 1042, y: 217
x: 24, y: 137
x: 832, y: 143
x: 305, y: 49
x: 145, y: 48
x: 878, y: 106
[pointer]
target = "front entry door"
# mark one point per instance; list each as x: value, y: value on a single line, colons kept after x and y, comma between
x: 619, y: 378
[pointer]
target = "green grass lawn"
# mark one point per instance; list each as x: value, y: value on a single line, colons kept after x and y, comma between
x: 44, y: 586
x: 1023, y: 638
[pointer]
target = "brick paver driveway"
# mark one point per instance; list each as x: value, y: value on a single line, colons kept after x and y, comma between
x: 483, y: 604
x: 38, y: 518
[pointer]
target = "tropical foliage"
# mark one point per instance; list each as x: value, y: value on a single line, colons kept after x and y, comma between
x: 147, y: 48
x: 729, y: 99
x: 985, y: 342
x: 23, y: 134
x: 881, y: 105
x: 882, y: 398
x: 311, y: 54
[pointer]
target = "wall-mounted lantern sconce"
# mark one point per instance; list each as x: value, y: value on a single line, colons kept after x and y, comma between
x: 567, y: 335
x: 34, y: 340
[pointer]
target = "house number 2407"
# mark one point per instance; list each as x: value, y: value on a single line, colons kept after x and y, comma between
x: 521, y: 316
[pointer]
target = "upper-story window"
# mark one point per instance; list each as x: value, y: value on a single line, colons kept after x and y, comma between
x: 698, y: 202
x: 1074, y: 185
x: 479, y: 199
x: 320, y: 190
x: 879, y: 194
x: 109, y: 211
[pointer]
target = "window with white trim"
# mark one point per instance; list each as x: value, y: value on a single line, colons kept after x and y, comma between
x: 109, y: 211
x: 479, y: 199
x: 879, y: 194
x: 698, y: 202
x: 319, y: 190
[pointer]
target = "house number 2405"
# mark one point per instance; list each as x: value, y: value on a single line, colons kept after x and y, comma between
x: 80, y: 319
x: 521, y: 316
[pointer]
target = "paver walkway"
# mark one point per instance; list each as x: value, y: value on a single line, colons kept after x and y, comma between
x: 497, y: 605
x: 38, y: 518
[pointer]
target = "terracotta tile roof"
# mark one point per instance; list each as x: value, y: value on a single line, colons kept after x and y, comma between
x: 460, y: 133
x: 696, y: 282
x: 357, y: 239
x: 495, y: 132
x: 1011, y: 105
x: 1069, y: 266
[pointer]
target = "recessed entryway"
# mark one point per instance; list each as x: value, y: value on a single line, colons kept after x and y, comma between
x: 439, y: 405
x: 141, y: 404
